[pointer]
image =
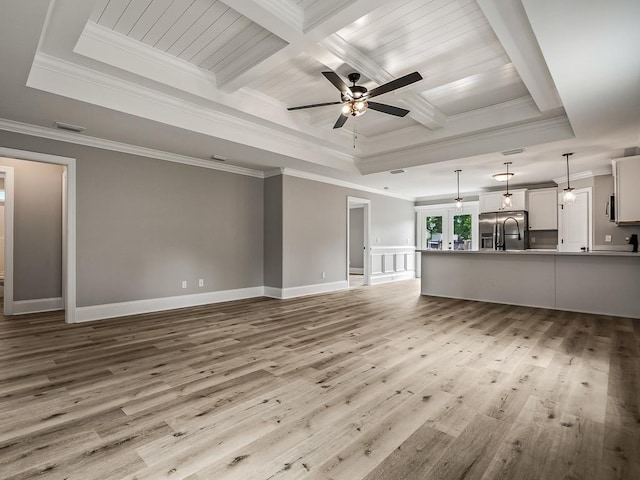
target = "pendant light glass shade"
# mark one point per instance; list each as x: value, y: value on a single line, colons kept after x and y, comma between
x: 458, y: 199
x: 568, y: 195
x: 506, y: 198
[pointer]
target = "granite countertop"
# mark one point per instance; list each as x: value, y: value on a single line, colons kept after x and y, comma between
x: 593, y: 253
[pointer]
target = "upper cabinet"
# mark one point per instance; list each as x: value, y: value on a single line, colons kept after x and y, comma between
x: 543, y: 209
x: 626, y: 173
x: 492, y: 202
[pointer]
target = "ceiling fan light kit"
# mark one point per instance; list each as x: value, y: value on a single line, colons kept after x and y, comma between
x: 355, y: 98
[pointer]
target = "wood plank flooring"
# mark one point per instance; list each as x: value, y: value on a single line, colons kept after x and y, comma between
x: 374, y: 383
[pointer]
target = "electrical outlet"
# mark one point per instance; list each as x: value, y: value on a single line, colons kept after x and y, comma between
x: 184, y: 284
x: 324, y: 275
x: 533, y: 239
x: 607, y: 238
x: 201, y: 282
x: 378, y: 240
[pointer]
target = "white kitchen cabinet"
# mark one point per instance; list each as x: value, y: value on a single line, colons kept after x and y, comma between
x: 492, y: 202
x: 543, y: 209
x: 627, y: 178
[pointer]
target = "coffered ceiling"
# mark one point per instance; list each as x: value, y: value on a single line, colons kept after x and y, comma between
x: 193, y: 78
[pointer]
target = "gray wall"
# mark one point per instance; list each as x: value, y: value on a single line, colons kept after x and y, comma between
x: 356, y: 237
x: 273, y: 232
x: 315, y: 229
x: 144, y: 225
x: 37, y: 236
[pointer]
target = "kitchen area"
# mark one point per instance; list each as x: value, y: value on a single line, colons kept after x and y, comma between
x: 567, y: 246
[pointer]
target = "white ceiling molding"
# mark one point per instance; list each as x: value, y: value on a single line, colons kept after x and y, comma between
x: 510, y: 24
x: 585, y: 174
x: 421, y: 110
x: 78, y: 139
x: 501, y: 115
x: 267, y: 15
x: 324, y: 17
x: 113, y: 48
x: 339, y: 183
x: 533, y: 133
x: 74, y: 81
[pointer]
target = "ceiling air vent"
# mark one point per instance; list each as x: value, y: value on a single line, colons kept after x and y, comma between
x: 515, y: 151
x: 69, y: 127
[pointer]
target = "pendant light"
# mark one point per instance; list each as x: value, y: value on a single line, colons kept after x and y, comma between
x: 506, y: 198
x: 569, y: 195
x: 458, y: 200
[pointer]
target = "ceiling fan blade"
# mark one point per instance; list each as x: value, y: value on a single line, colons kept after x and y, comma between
x: 341, y: 121
x: 337, y: 82
x: 391, y: 110
x: 314, y: 105
x: 395, y: 84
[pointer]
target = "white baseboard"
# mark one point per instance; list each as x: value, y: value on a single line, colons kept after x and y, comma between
x: 272, y: 292
x: 356, y: 270
x: 111, y: 310
x: 292, y: 292
x: 392, y: 277
x: 22, y: 307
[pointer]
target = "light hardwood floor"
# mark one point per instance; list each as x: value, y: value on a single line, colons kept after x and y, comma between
x: 372, y: 383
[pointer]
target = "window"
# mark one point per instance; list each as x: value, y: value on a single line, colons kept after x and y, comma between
x: 441, y: 227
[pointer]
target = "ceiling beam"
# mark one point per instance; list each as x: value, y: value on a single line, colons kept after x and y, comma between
x: 511, y: 25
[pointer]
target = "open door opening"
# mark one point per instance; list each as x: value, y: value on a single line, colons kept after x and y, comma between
x: 68, y: 281
x: 358, y: 258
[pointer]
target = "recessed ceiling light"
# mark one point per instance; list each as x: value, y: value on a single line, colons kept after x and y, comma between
x: 514, y: 151
x: 395, y: 172
x: 219, y: 158
x: 69, y: 127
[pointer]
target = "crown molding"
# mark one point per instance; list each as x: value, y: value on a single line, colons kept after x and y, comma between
x: 79, y: 139
x: 65, y: 78
x: 532, y: 133
x: 586, y: 174
x: 339, y: 183
x: 501, y: 115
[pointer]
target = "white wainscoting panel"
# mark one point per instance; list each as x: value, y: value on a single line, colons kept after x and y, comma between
x: 376, y: 263
x: 411, y: 261
x: 392, y: 263
x: 388, y: 262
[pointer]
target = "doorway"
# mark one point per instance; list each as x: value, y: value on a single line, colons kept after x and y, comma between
x: 68, y: 230
x: 574, y: 226
x: 358, y: 258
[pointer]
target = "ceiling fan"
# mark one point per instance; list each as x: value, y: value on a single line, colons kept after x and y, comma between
x: 355, y: 99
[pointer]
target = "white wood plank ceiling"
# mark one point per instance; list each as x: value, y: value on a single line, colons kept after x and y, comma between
x: 450, y: 42
x: 206, y: 33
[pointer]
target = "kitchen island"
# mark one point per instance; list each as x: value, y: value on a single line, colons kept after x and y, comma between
x: 593, y: 282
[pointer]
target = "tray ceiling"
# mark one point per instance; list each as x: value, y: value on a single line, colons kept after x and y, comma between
x: 226, y: 71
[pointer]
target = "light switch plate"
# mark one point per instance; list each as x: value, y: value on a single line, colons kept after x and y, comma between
x: 607, y: 238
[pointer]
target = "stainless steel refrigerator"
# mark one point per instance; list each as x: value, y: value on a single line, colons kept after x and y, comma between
x: 508, y: 230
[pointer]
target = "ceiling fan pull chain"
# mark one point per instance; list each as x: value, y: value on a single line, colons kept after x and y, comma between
x: 355, y: 132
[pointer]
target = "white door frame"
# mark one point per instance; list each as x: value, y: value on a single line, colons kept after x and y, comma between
x: 366, y: 263
x: 8, y: 238
x: 69, y: 227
